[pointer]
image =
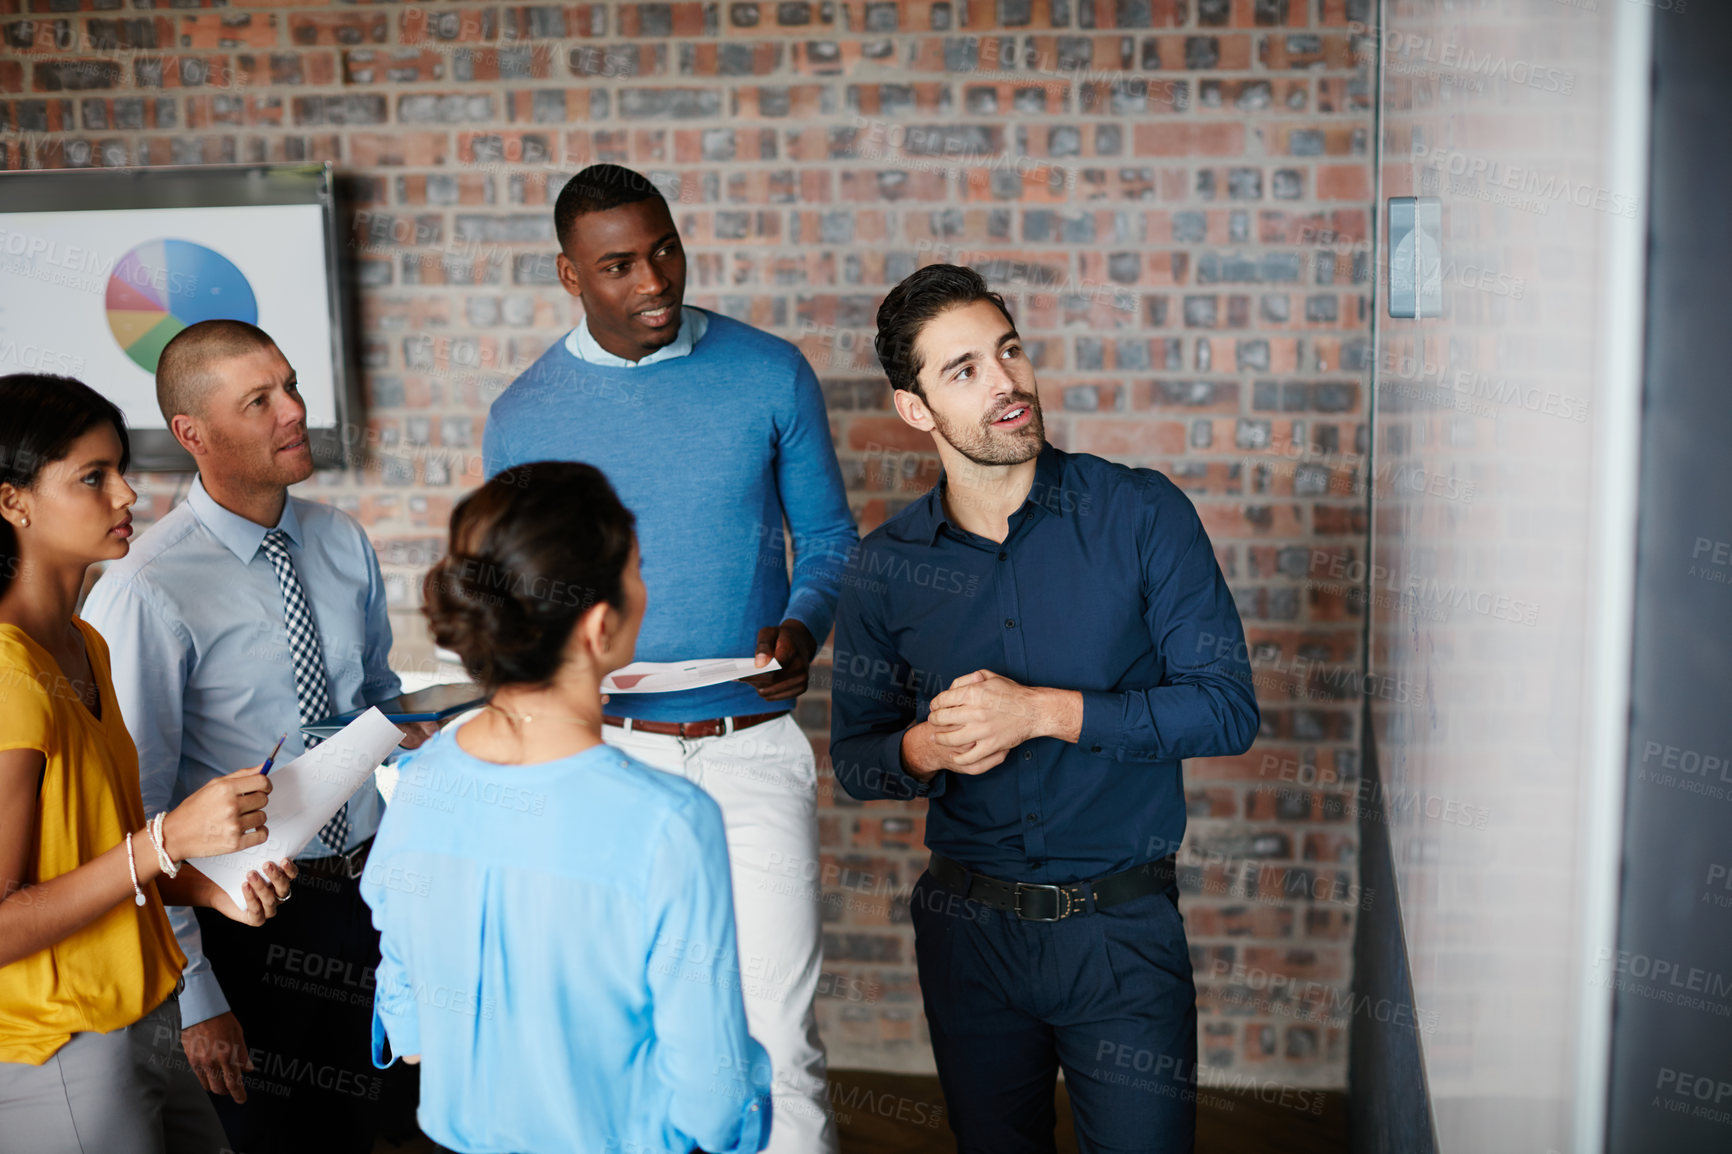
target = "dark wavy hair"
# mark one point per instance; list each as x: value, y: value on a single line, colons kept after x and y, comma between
x: 530, y: 552
x: 910, y: 305
x: 40, y: 416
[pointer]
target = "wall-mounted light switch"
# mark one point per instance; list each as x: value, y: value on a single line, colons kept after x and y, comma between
x: 1415, y: 250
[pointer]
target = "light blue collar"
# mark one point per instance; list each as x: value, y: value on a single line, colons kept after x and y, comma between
x: 693, y: 325
x: 241, y: 536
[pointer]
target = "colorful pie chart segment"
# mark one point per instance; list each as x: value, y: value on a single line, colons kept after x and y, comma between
x: 163, y: 286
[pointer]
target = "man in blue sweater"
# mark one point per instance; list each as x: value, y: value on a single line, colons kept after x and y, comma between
x: 713, y: 433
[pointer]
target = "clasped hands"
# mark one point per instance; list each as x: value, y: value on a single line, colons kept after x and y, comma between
x: 972, y: 725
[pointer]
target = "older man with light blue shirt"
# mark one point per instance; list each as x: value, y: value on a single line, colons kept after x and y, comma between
x: 239, y: 616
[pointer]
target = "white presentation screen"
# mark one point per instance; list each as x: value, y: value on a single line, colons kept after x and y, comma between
x: 96, y: 295
x: 100, y: 268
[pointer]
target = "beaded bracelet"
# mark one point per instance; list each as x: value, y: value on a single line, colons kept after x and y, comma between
x: 162, y: 858
x: 132, y: 868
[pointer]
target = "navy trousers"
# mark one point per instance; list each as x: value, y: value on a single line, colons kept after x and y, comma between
x: 1107, y: 996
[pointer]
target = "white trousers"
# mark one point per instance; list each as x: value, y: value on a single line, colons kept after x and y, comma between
x: 765, y: 780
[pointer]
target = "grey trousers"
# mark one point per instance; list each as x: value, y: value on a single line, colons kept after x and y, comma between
x: 129, y: 1091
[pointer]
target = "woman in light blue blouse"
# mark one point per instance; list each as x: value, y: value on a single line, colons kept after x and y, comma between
x: 557, y: 918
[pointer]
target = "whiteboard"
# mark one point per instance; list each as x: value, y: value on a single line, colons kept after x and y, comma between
x: 58, y: 278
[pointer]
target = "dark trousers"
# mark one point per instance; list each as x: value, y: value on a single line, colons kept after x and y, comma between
x: 1107, y: 996
x: 301, y: 986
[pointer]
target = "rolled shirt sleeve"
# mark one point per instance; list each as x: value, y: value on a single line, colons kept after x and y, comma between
x: 148, y: 655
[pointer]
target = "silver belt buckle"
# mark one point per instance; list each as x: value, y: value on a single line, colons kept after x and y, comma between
x: 1058, y: 892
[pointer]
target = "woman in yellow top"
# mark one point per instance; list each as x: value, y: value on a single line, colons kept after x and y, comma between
x: 90, y: 1056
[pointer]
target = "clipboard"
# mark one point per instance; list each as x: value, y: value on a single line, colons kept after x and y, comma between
x: 435, y: 703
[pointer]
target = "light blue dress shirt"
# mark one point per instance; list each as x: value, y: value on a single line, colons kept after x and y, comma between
x: 558, y: 946
x: 693, y: 324
x: 193, y: 617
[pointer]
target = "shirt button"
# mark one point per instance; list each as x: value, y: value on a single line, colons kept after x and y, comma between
x: 1035, y: 865
x: 1010, y: 623
x: 1096, y: 749
x: 1027, y: 754
x: 1034, y: 817
x: 1003, y: 555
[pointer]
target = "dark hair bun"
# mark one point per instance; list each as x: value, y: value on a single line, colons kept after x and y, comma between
x: 531, y: 551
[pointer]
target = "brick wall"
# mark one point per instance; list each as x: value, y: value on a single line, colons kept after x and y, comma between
x: 1173, y: 194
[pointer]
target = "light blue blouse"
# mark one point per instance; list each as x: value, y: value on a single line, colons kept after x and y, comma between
x: 558, y: 947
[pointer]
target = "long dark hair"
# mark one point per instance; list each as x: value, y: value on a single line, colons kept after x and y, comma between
x: 531, y: 551
x: 40, y: 416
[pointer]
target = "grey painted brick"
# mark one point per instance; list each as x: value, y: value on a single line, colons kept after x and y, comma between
x: 961, y: 54
x: 518, y: 228
x: 1075, y: 53
x: 1245, y: 183
x: 1287, y: 184
x: 1251, y: 434
x: 1132, y: 354
x: 1077, y: 228
x: 1269, y: 12
x: 1190, y: 226
x: 534, y: 269
x: 881, y: 17
x: 1335, y: 397
x: 1310, y: 481
x: 1322, y: 307
x: 1282, y: 267
x: 1200, y: 312
x: 1202, y: 52
x: 669, y: 103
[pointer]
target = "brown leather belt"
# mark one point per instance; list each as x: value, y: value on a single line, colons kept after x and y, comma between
x: 712, y: 727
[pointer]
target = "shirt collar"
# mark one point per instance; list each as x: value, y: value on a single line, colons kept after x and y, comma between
x: 241, y: 536
x: 926, y: 516
x: 693, y: 324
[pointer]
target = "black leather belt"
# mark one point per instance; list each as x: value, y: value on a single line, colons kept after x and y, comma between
x: 1036, y: 902
x: 347, y: 866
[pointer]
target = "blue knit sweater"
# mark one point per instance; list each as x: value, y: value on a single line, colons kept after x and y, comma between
x: 709, y: 450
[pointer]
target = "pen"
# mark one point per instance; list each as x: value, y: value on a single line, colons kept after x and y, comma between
x: 266, y: 767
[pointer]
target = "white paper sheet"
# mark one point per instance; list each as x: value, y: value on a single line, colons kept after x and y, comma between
x: 305, y: 793
x: 669, y: 676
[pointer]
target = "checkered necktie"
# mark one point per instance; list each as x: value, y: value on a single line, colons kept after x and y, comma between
x: 312, y: 692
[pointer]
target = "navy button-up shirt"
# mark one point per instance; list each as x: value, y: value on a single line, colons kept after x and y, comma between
x: 1106, y: 584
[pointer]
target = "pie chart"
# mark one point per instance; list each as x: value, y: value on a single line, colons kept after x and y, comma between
x: 163, y: 286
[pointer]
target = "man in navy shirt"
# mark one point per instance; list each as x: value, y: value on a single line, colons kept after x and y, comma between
x: 1035, y: 644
